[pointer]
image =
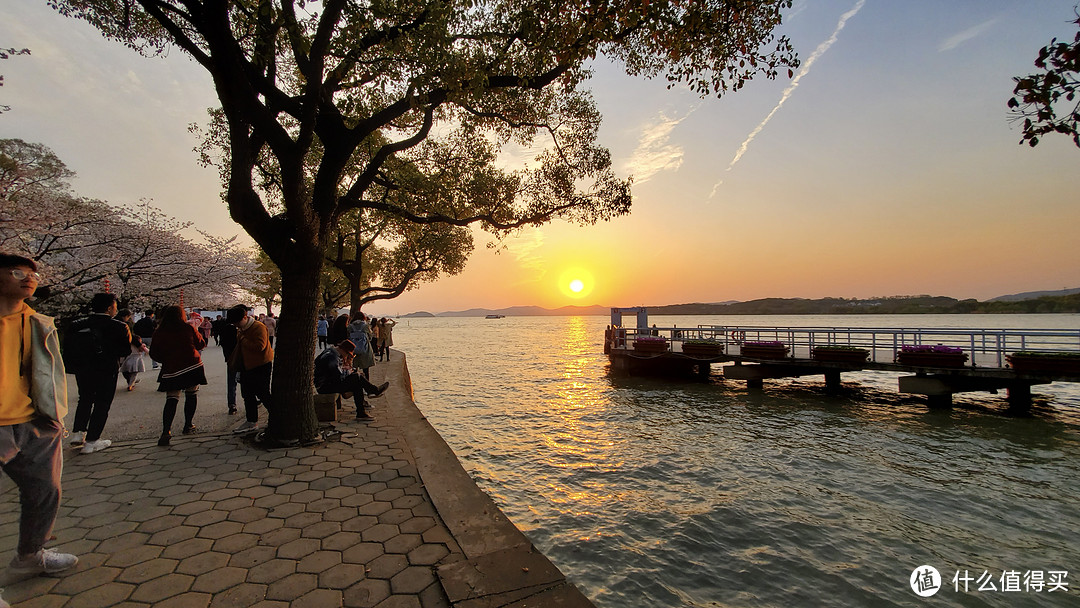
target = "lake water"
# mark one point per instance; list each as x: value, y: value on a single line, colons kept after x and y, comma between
x: 649, y: 492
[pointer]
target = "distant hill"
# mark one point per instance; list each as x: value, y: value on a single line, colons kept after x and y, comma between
x: 532, y: 311
x: 1068, y: 301
x: 1032, y: 295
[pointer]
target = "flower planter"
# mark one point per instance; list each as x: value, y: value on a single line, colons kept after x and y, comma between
x: 840, y: 354
x: 764, y: 350
x: 932, y: 359
x: 651, y: 346
x: 702, y: 350
x: 1045, y: 363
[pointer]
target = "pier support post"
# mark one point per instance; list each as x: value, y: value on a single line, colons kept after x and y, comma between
x: 832, y: 381
x: 755, y: 384
x: 939, y: 402
x: 1019, y: 398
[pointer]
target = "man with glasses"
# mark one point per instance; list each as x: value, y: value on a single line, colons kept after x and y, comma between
x: 33, y: 403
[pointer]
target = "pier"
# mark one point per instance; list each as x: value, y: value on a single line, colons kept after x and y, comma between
x: 939, y: 362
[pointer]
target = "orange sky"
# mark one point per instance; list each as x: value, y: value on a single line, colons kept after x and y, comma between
x: 888, y: 166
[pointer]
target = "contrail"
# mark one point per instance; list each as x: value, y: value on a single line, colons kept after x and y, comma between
x: 803, y: 71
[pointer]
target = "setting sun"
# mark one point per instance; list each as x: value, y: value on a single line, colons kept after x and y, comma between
x: 576, y: 283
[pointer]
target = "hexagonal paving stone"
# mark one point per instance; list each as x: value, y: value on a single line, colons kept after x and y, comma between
x: 318, y: 598
x: 427, y: 554
x: 234, y: 543
x: 254, y: 556
x: 203, y: 563
x: 366, y: 593
x: 386, y: 566
x: 402, y: 543
x: 380, y: 533
x: 292, y: 587
x: 163, y: 588
x: 173, y: 535
x: 271, y: 571
x: 298, y: 548
x: 146, y: 571
x: 413, y: 579
x: 322, y: 529
x: 187, y: 548
x: 241, y: 596
x: 219, y: 580
x: 319, y: 561
x: 342, y: 576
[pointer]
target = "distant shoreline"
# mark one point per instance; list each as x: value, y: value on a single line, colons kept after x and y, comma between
x: 896, y: 305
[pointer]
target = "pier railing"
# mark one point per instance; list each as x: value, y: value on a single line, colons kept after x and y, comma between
x: 986, y: 347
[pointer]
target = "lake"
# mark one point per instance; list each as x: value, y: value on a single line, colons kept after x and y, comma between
x: 651, y: 492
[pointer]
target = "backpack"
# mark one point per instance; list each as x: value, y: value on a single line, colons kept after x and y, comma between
x: 84, y: 346
x: 359, y: 338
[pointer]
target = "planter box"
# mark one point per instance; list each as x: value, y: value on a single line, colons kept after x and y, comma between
x: 1045, y: 364
x: 764, y: 351
x: 840, y: 355
x: 932, y: 359
x: 703, y: 350
x: 651, y: 346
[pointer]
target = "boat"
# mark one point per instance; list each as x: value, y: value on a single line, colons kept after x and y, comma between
x: 495, y: 316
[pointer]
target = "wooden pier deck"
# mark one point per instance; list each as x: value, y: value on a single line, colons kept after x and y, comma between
x: 940, y: 362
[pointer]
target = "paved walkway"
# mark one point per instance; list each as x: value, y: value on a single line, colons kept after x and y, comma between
x: 382, y: 516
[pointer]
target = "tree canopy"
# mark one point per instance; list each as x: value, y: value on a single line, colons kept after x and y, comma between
x: 402, y: 106
x: 80, y: 243
x: 1047, y: 101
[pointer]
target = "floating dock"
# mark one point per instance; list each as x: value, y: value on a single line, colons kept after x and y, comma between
x: 940, y: 362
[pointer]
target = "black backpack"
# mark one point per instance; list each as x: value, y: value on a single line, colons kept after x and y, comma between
x: 84, y: 346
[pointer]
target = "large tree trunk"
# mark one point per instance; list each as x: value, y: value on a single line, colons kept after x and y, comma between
x: 293, y: 414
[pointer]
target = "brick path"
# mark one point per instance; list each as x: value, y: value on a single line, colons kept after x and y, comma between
x: 384, y: 516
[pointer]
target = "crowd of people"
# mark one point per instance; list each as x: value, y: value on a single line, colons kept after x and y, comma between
x: 106, y: 342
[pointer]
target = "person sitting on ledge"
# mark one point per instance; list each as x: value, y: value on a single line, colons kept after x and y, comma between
x: 332, y: 377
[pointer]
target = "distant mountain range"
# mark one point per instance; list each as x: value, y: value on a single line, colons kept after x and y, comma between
x: 1061, y: 301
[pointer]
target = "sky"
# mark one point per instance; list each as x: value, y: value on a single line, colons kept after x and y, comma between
x: 888, y: 165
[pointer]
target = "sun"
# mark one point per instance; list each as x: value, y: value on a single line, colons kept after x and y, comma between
x: 576, y: 283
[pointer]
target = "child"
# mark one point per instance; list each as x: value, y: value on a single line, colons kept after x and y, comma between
x: 133, y: 363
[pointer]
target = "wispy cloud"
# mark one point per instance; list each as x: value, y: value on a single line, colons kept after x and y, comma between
x: 654, y: 152
x: 803, y: 71
x: 959, y: 38
x: 525, y: 249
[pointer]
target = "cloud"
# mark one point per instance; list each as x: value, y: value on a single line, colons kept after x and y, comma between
x: 654, y: 153
x: 803, y: 71
x: 959, y: 38
x: 524, y: 247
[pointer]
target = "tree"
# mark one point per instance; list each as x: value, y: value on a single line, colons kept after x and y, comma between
x: 268, y: 287
x: 333, y: 92
x: 81, y: 242
x: 1047, y: 102
x: 4, y: 54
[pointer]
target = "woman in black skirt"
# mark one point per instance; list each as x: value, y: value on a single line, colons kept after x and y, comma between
x: 176, y: 345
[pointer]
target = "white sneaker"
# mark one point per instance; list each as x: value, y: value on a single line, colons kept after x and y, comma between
x: 96, y: 446
x: 78, y: 438
x: 44, y: 561
x: 247, y: 426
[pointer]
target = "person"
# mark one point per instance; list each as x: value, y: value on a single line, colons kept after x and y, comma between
x: 339, y: 330
x: 33, y: 403
x: 176, y: 346
x: 133, y: 364
x: 226, y: 333
x: 360, y: 335
x: 331, y: 376
x: 124, y: 316
x: 215, y: 330
x: 254, y: 357
x: 322, y: 329
x: 271, y: 327
x: 386, y: 333
x: 144, y: 328
x: 94, y: 347
x: 376, y: 339
x: 206, y: 327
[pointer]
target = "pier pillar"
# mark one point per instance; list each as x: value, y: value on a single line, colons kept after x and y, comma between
x: 939, y: 402
x: 832, y: 380
x: 755, y: 384
x: 1019, y: 398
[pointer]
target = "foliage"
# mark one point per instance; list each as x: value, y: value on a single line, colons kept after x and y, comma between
x: 401, y: 108
x: 267, y: 287
x: 81, y: 243
x: 931, y: 348
x: 1047, y: 101
x: 4, y: 54
x: 1047, y: 354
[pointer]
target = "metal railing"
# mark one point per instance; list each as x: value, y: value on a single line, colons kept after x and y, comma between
x: 986, y: 347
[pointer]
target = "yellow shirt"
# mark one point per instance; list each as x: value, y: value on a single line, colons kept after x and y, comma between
x: 15, y: 405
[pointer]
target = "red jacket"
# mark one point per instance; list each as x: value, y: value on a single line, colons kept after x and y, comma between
x: 177, y: 347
